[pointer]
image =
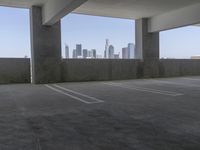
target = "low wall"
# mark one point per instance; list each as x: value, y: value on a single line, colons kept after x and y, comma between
x: 17, y: 70
x: 99, y: 69
x: 14, y: 70
x: 118, y: 69
x: 179, y: 67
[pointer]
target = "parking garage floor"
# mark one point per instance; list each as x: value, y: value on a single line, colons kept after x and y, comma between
x: 146, y: 114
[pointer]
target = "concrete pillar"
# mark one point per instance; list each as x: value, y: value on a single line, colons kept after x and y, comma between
x: 45, y: 49
x: 147, y: 44
x: 147, y: 48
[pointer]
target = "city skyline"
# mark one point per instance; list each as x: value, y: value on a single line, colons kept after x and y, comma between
x: 109, y: 52
x: 91, y: 32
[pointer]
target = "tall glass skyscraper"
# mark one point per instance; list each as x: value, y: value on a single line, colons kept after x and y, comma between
x: 94, y: 53
x: 78, y: 50
x: 106, y: 53
x: 74, y: 54
x: 66, y: 51
x: 111, y: 52
x: 125, y: 53
x: 131, y: 51
x: 85, y: 53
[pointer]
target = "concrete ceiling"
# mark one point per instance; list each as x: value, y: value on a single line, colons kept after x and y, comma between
x: 22, y: 3
x: 130, y: 9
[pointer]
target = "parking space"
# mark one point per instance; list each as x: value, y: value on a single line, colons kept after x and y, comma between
x: 145, y: 114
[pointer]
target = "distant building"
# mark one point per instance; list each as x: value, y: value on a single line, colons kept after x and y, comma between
x: 111, y: 52
x: 89, y: 54
x: 195, y: 57
x: 93, y: 53
x: 78, y: 50
x: 85, y: 53
x: 66, y: 51
x: 104, y: 54
x: 74, y: 54
x: 106, y: 49
x: 131, y: 51
x: 125, y: 53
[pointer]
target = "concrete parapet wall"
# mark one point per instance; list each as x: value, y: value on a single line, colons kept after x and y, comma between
x: 118, y: 69
x: 14, y: 70
x: 178, y: 67
x: 99, y: 69
x: 17, y: 70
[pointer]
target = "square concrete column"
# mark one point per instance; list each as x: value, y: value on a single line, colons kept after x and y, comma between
x: 147, y: 48
x: 45, y: 49
x: 147, y: 44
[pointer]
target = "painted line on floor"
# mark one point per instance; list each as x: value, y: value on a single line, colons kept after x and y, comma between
x: 95, y: 100
x: 175, y: 83
x: 191, y: 79
x: 155, y: 91
x: 72, y: 96
x: 64, y: 93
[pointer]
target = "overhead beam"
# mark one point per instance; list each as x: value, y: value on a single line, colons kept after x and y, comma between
x: 182, y: 17
x: 54, y: 10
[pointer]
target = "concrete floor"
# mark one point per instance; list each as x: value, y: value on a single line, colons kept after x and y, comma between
x: 152, y: 114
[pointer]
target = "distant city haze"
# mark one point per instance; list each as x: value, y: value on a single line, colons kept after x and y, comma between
x: 108, y: 53
x: 91, y: 32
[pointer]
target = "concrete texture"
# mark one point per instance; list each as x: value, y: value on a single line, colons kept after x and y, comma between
x: 53, y: 11
x: 18, y: 70
x: 150, y: 68
x: 45, y: 49
x: 120, y: 70
x: 95, y: 70
x: 100, y: 69
x: 162, y: 14
x: 177, y: 18
x: 147, y: 44
x: 132, y: 117
x: 14, y: 70
x: 178, y: 67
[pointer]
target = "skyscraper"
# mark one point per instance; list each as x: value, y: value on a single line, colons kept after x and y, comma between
x: 94, y: 53
x: 66, y: 51
x: 78, y: 50
x: 111, y: 52
x: 90, y: 54
x: 85, y: 53
x: 106, y: 49
x: 125, y: 53
x: 131, y: 51
x: 74, y: 54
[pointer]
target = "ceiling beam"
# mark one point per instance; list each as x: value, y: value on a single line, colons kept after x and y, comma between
x: 54, y: 10
x: 189, y: 15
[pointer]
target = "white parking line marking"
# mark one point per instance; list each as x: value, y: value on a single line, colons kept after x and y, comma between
x: 84, y: 95
x: 191, y: 79
x: 155, y: 91
x: 175, y: 83
x: 72, y: 96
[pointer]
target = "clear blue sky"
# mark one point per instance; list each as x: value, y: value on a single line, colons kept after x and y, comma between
x: 91, y: 32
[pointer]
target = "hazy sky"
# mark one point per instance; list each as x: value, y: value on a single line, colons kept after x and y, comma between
x: 91, y: 32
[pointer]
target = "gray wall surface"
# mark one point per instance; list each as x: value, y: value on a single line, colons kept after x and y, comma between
x: 101, y: 69
x: 179, y: 67
x: 14, y: 70
x: 17, y: 70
